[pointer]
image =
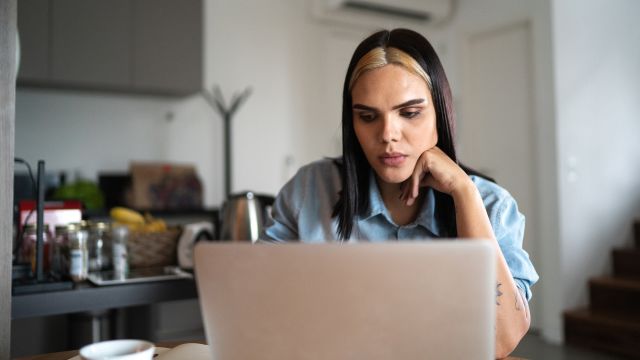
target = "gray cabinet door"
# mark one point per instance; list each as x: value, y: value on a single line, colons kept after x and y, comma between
x: 167, y: 46
x: 147, y: 46
x: 33, y: 29
x: 91, y: 43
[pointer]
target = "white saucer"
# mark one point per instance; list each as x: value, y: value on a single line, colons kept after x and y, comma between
x: 158, y: 351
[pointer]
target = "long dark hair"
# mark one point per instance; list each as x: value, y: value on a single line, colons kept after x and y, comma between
x: 355, y: 168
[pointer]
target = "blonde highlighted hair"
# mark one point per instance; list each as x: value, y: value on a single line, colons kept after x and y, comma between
x: 379, y: 57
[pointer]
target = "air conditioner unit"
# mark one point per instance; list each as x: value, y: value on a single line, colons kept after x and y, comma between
x: 383, y: 13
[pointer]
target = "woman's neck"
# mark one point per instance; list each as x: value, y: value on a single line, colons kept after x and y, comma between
x: 400, y: 212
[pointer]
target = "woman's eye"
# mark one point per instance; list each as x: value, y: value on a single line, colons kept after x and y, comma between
x: 410, y: 114
x: 367, y: 117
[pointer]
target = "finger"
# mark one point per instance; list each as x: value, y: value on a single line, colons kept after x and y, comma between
x: 418, y: 185
x: 404, y: 186
x: 407, y: 185
x: 427, y: 180
x: 414, y: 188
x: 406, y: 192
x: 416, y: 177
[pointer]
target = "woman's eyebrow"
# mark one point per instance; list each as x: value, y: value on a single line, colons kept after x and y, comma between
x: 404, y: 104
x: 363, y: 107
x: 408, y: 103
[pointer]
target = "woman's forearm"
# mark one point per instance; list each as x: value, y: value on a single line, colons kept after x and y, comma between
x: 512, y: 310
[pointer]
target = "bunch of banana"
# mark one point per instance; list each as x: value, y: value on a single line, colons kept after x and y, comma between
x: 135, y: 221
x: 152, y: 224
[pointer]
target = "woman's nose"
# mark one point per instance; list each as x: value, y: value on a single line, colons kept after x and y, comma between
x: 390, y: 130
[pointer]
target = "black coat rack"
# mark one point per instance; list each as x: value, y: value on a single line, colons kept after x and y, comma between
x: 216, y: 100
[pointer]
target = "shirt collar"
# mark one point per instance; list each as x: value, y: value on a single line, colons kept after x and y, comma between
x: 426, y: 216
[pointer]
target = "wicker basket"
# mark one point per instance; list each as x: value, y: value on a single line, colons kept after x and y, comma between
x: 148, y: 249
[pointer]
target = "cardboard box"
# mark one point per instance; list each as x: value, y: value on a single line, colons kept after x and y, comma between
x: 165, y: 186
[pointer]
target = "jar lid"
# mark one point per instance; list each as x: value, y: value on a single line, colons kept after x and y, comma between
x: 34, y: 226
x: 73, y: 226
x: 61, y: 229
x: 101, y: 225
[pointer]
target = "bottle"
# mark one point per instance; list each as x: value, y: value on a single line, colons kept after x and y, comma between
x: 99, y: 247
x: 120, y: 236
x: 78, y: 253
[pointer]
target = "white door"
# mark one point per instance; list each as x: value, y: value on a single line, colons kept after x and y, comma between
x: 496, y: 122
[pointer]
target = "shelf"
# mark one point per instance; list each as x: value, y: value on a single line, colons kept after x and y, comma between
x: 86, y: 297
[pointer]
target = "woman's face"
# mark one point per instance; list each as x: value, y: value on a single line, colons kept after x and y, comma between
x: 394, y: 120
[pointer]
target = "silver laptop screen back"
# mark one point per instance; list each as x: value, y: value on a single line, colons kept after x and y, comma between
x: 415, y: 300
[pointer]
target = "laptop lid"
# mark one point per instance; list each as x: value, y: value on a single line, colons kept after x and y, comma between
x: 411, y: 300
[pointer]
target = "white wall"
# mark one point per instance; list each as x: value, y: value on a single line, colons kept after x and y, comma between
x: 597, y: 85
x: 85, y: 132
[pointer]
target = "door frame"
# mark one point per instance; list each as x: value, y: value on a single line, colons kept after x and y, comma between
x: 8, y: 36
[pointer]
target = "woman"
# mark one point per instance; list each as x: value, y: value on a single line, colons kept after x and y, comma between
x: 399, y: 177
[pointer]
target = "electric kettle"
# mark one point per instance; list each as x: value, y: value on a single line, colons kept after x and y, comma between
x: 244, y: 215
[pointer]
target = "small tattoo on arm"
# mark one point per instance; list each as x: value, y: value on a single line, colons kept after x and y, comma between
x: 522, y: 304
x: 498, y: 293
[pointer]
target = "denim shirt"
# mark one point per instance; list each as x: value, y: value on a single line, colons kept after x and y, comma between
x: 302, y: 212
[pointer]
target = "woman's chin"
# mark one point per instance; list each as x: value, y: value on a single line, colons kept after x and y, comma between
x: 393, y: 176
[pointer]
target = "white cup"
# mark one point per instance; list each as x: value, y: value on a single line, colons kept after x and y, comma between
x: 118, y: 350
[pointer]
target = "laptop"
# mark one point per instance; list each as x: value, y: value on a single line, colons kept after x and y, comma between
x: 400, y: 300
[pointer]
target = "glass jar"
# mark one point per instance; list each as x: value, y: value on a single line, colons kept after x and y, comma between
x: 29, y: 244
x: 78, y: 253
x: 84, y: 224
x: 120, y: 237
x: 99, y: 247
x: 60, y: 250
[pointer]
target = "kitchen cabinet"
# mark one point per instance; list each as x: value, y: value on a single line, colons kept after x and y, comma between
x: 139, y: 46
x: 90, y: 43
x: 33, y: 26
x: 167, y: 45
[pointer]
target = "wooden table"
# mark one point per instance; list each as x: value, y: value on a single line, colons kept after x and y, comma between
x: 65, y: 355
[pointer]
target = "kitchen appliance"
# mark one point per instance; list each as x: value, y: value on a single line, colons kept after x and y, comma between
x: 244, y: 216
x: 191, y: 234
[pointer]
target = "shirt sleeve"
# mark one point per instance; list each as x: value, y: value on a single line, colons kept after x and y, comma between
x: 283, y: 225
x: 508, y: 226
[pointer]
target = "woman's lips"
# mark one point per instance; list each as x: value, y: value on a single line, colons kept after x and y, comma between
x: 393, y: 159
